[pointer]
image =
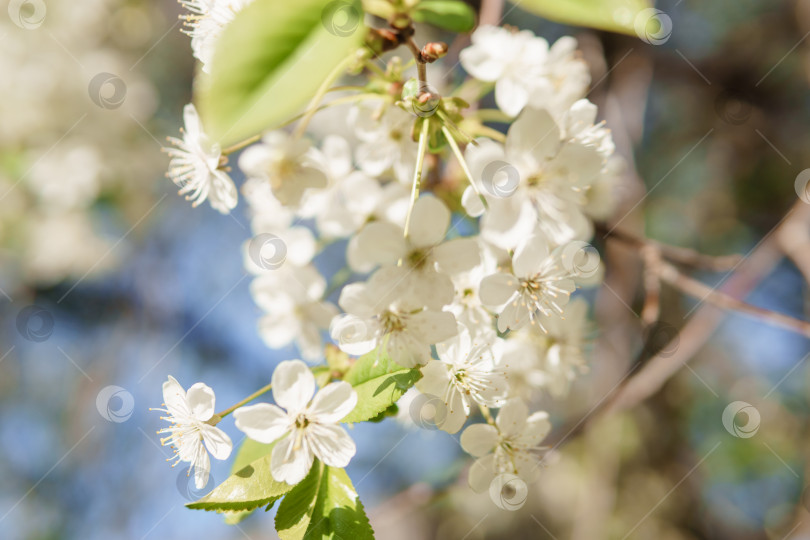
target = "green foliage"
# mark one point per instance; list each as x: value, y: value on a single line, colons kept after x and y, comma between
x: 613, y: 15
x: 250, y: 487
x: 270, y: 61
x: 379, y: 383
x: 249, y: 452
x: 451, y: 15
x: 324, y: 505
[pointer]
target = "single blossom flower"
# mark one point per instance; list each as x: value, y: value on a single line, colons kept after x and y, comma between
x: 378, y: 314
x: 466, y: 374
x: 538, y: 284
x: 385, y: 138
x: 190, y: 435
x: 305, y: 427
x: 508, y: 447
x: 194, y: 166
x: 289, y: 164
x: 426, y: 261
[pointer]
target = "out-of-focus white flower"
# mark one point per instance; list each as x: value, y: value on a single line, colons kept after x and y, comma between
x: 538, y: 284
x: 426, y: 261
x: 205, y: 22
x: 465, y: 374
x: 67, y: 178
x: 550, y: 177
x: 294, y: 310
x: 524, y: 69
x: 194, y: 166
x: 289, y: 164
x: 307, y: 427
x: 190, y: 435
x: 378, y: 315
x: 385, y: 138
x: 508, y: 447
x: 466, y: 305
x: 351, y: 197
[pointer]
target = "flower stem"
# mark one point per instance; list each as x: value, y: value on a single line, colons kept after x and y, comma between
x: 486, y: 414
x: 460, y: 157
x: 251, y: 397
x: 242, y: 144
x: 417, y: 173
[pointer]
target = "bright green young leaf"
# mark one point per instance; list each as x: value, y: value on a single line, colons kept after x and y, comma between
x: 379, y: 383
x: 324, y: 505
x: 270, y: 61
x: 249, y: 452
x: 248, y: 488
x: 452, y: 15
x: 613, y: 15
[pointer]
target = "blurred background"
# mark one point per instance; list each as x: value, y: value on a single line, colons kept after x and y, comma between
x: 109, y: 282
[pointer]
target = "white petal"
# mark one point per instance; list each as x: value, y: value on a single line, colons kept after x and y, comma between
x: 497, y: 289
x: 512, y: 417
x: 458, y: 410
x: 479, y: 439
x: 433, y: 326
x: 332, y: 403
x: 533, y: 135
x: 429, y: 222
x: 217, y: 441
x: 201, y: 400
x: 376, y: 243
x: 331, y: 444
x: 288, y: 464
x: 458, y: 255
x: 472, y: 202
x: 536, y: 428
x: 482, y: 473
x: 407, y: 350
x: 202, y: 469
x: 174, y: 397
x: 354, y: 335
x: 293, y: 385
x: 529, y: 256
x: 262, y: 422
x: 511, y: 95
x: 514, y: 316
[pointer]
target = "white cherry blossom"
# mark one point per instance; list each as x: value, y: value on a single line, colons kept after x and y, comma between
x: 374, y: 318
x: 294, y: 310
x: 385, y: 138
x: 190, y: 435
x: 538, y: 284
x: 524, y: 69
x: 305, y: 427
x: 194, y: 166
x: 508, y: 447
x: 466, y: 374
x: 289, y: 164
x: 426, y: 261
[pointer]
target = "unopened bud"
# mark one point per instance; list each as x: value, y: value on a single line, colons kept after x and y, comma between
x: 433, y: 51
x: 400, y: 21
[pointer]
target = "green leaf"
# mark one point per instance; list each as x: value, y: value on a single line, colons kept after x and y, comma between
x: 249, y: 452
x: 452, y: 15
x: 270, y: 61
x: 379, y: 383
x: 250, y: 487
x: 613, y: 15
x: 324, y: 505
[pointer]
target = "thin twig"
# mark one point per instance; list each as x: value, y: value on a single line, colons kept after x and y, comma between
x: 703, y: 292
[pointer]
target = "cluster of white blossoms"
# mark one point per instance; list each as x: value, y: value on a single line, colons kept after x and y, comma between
x: 480, y: 300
